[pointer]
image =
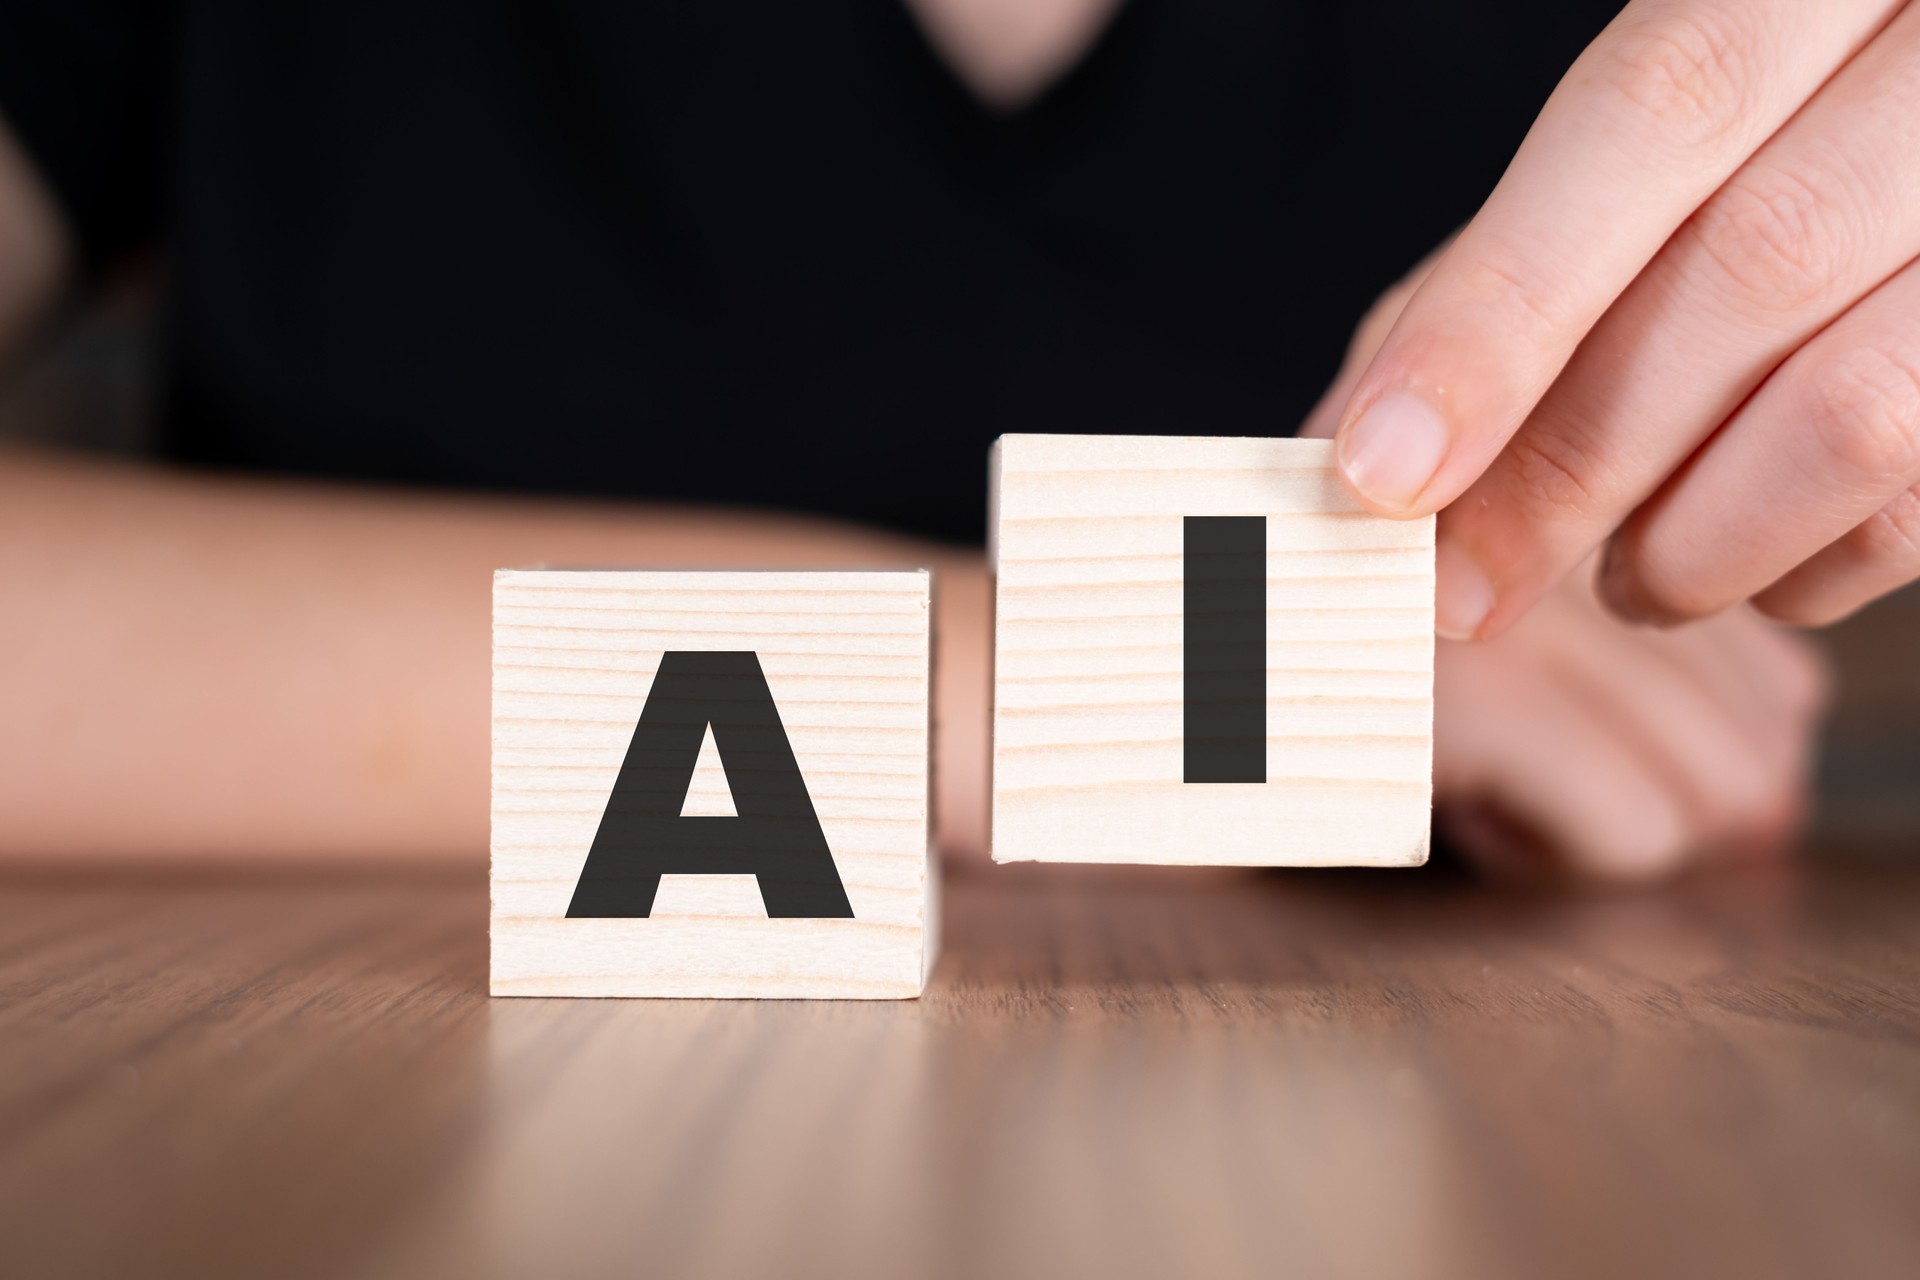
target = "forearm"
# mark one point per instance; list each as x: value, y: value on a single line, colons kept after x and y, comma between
x: 230, y: 668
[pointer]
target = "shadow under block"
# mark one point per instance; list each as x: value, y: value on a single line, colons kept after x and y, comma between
x: 1219, y: 610
x: 632, y: 731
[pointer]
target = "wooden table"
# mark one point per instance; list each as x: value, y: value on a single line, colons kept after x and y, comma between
x: 1139, y: 1072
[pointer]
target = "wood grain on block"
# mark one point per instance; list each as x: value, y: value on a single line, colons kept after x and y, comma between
x: 845, y: 661
x: 1129, y: 637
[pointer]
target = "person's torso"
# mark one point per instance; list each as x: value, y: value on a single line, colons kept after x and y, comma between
x: 775, y: 254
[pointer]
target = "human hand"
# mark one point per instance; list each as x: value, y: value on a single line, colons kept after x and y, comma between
x: 1573, y: 746
x: 1686, y: 324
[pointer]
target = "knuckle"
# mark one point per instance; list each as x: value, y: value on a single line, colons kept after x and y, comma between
x: 1886, y: 547
x: 1690, y: 74
x: 1554, y: 477
x: 1778, y: 239
x: 1527, y: 297
x: 1892, y: 534
x: 1865, y: 411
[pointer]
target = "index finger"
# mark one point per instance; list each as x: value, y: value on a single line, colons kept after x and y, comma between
x: 1653, y: 117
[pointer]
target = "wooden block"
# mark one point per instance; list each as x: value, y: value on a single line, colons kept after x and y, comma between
x: 1205, y: 652
x: 711, y: 784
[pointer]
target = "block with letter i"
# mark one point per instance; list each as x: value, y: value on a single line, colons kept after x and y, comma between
x: 1205, y: 652
x: 711, y: 784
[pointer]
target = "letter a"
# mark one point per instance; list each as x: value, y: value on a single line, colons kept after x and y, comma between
x: 776, y: 835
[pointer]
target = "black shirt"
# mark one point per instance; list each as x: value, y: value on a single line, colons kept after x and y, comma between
x: 760, y: 252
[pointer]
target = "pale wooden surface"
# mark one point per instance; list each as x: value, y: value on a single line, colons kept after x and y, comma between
x: 845, y: 656
x: 1116, y: 1072
x: 1087, y: 748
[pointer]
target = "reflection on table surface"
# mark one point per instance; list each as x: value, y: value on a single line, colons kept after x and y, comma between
x: 1145, y: 1071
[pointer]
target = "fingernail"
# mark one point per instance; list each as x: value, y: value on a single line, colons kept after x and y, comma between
x: 1391, y: 451
x: 1463, y: 594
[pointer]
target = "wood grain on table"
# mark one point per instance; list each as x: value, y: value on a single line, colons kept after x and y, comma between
x: 1138, y: 1071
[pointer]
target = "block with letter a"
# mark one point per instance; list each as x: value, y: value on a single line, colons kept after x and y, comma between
x: 711, y: 784
x: 1205, y: 651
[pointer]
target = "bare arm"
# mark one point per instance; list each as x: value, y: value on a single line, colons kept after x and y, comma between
x: 233, y: 668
